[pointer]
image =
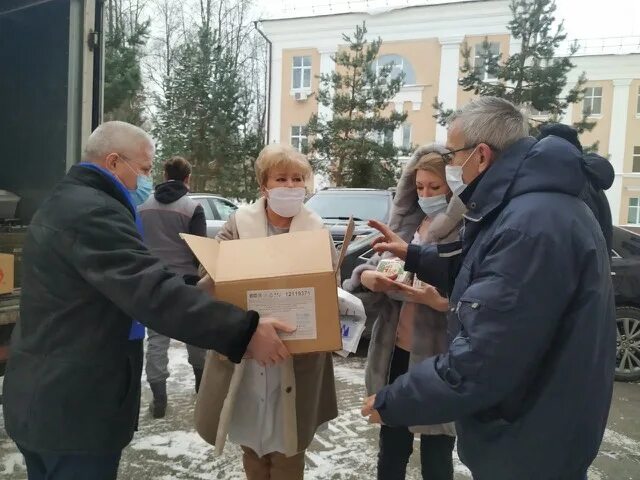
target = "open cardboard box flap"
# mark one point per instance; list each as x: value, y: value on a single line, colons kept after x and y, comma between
x: 276, y: 256
x: 291, y: 277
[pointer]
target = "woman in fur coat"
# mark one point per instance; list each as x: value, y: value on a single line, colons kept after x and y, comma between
x: 412, y: 324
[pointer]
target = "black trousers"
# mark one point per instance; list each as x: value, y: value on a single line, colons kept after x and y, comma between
x: 52, y: 466
x: 396, y: 443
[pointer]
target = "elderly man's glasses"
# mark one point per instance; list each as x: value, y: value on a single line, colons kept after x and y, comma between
x: 449, y: 156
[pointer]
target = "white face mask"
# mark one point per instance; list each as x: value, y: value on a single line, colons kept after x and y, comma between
x: 286, y: 202
x: 432, y: 206
x: 454, y: 176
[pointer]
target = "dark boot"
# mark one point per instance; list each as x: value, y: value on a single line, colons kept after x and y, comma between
x: 198, y: 374
x: 158, y: 405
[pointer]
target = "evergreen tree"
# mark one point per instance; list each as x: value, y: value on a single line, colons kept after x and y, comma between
x: 355, y: 146
x: 208, y: 111
x: 123, y: 85
x: 533, y: 77
x: 205, y: 116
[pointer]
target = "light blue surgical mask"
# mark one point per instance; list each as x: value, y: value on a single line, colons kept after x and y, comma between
x: 144, y: 189
x: 454, y: 176
x: 432, y: 206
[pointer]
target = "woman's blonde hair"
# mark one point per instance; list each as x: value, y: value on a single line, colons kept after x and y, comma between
x: 431, y: 162
x: 279, y: 155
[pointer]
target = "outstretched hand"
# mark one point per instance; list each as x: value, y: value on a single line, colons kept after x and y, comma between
x: 389, y: 241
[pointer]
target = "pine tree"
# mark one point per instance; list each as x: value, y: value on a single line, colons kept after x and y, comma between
x: 354, y: 146
x: 123, y: 85
x: 534, y: 77
x: 200, y: 113
x: 207, y: 111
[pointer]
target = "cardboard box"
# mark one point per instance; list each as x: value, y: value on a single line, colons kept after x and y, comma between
x: 290, y: 277
x: 6, y: 273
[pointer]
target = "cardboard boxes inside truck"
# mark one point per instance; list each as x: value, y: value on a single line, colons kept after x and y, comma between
x: 290, y: 277
x: 6, y: 273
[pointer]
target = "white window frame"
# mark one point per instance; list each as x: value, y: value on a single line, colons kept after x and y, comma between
x: 589, y: 99
x: 638, y: 103
x: 396, y: 67
x: 635, y: 156
x: 300, y: 70
x: 381, y: 137
x: 299, y: 137
x: 637, y: 211
x: 476, y: 56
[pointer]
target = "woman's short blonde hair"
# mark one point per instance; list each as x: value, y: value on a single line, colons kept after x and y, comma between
x: 432, y: 162
x: 279, y: 155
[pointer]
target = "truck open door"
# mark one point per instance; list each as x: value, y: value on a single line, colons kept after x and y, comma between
x: 51, y: 78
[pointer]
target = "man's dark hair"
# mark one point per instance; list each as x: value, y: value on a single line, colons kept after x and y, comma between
x: 177, y: 168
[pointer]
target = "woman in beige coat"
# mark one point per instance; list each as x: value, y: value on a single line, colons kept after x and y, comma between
x: 273, y: 412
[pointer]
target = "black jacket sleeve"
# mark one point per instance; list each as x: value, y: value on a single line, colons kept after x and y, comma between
x: 435, y: 264
x: 198, y: 223
x: 109, y: 254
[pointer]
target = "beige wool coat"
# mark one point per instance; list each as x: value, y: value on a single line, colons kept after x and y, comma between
x: 308, y: 387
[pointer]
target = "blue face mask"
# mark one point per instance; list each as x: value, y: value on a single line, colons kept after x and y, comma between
x: 144, y: 187
x: 143, y: 190
x: 432, y: 206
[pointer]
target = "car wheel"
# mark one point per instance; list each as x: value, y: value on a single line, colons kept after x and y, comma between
x: 628, y: 344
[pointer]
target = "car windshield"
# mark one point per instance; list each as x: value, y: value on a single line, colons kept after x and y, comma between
x: 344, y: 205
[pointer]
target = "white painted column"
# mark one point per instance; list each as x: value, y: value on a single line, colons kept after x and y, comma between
x: 397, y: 133
x: 617, y: 143
x: 567, y: 118
x: 515, y: 45
x: 275, y: 105
x: 327, y: 66
x: 449, y: 72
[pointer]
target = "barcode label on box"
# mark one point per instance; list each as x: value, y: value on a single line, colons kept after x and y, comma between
x: 295, y: 306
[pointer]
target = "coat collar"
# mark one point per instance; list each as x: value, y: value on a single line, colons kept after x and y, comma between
x: 490, y: 191
x: 97, y: 177
x: 252, y: 220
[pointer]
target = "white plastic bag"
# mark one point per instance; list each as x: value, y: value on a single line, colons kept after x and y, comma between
x: 353, y: 319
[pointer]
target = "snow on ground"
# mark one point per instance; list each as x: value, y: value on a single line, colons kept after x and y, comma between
x: 170, y: 449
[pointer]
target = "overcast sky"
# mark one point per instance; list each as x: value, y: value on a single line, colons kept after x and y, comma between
x: 583, y: 18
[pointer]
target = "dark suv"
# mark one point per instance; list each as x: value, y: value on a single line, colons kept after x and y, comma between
x: 336, y: 205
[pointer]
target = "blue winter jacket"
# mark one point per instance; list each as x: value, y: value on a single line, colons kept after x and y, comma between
x: 529, y: 377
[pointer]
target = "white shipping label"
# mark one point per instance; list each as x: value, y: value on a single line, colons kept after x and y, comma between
x: 295, y: 306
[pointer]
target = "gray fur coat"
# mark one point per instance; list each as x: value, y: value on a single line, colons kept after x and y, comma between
x: 430, y: 328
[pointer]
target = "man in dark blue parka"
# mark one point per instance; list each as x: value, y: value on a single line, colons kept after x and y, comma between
x: 529, y: 378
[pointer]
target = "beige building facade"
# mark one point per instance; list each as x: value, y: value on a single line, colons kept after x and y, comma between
x: 425, y: 43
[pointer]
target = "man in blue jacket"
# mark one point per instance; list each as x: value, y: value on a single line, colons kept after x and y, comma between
x: 529, y: 377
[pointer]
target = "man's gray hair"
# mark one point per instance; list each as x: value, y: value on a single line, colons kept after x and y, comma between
x: 491, y: 120
x: 115, y: 137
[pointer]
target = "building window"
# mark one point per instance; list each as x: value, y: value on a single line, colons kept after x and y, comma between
x: 480, y: 60
x: 400, y: 65
x: 636, y: 159
x: 634, y: 211
x: 301, y: 73
x: 638, y: 105
x: 383, y: 136
x: 592, y: 103
x: 538, y: 113
x: 406, y: 136
x: 299, y: 137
